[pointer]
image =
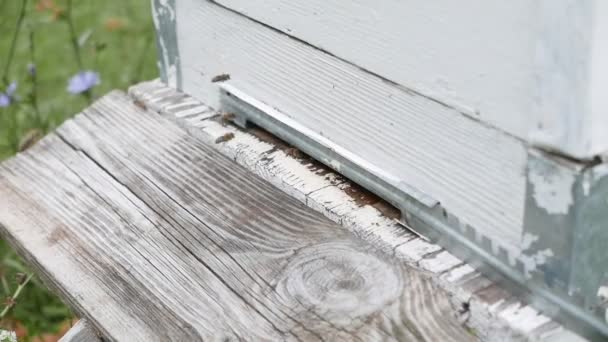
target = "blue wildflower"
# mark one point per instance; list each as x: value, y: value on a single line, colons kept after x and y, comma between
x: 31, y: 69
x: 8, y: 96
x: 83, y: 82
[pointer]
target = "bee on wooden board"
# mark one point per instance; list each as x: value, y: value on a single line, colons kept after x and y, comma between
x: 140, y: 104
x: 225, y: 137
x: 220, y: 78
x: 295, y: 153
x: 226, y: 117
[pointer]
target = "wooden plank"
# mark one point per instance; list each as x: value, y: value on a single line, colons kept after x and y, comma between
x: 432, y: 147
x: 321, y: 189
x: 153, y: 235
x: 372, y: 220
x: 81, y: 332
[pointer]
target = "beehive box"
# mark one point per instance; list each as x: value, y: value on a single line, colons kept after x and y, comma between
x: 483, y: 121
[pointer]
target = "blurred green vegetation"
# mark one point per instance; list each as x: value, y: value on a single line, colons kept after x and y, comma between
x: 116, y: 39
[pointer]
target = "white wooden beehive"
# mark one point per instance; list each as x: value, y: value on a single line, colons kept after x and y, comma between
x: 483, y: 121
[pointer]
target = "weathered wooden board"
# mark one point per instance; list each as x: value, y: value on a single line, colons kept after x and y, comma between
x: 152, y: 234
x: 81, y: 332
x: 409, y: 137
x: 493, y: 313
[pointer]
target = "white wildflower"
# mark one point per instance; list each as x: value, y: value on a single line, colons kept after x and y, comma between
x: 8, y: 336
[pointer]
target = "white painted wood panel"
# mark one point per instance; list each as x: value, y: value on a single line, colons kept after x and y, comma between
x: 599, y: 80
x: 562, y: 108
x: 475, y: 171
x: 529, y: 68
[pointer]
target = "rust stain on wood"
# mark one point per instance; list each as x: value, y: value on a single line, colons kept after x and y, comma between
x: 360, y: 195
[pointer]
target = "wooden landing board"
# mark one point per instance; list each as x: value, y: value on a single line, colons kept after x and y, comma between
x: 153, y: 235
x: 494, y: 314
x: 81, y: 332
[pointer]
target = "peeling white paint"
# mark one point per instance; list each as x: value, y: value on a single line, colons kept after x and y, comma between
x: 458, y: 273
x: 172, y: 75
x: 440, y: 262
x: 541, y: 257
x: 586, y: 184
x: 166, y: 7
x: 527, y: 240
x: 163, y: 12
x: 600, y: 171
x: 416, y: 249
x: 602, y: 292
x: 532, y: 262
x: 163, y: 53
x: 334, y: 164
x: 552, y: 188
x: 524, y: 318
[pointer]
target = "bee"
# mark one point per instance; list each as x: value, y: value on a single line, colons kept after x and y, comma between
x: 220, y: 78
x: 226, y: 137
x: 140, y: 104
x: 294, y: 153
x: 226, y: 117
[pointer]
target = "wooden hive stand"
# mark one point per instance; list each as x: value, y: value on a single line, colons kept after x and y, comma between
x: 157, y: 221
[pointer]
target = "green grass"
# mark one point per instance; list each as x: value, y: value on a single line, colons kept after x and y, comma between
x: 122, y: 57
x: 117, y: 40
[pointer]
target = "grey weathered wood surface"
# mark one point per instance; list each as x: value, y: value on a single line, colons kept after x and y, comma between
x: 152, y: 234
x: 81, y: 332
x: 494, y: 314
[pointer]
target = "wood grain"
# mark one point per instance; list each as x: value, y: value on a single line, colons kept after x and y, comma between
x: 81, y: 332
x: 326, y: 192
x: 153, y: 235
x: 476, y: 172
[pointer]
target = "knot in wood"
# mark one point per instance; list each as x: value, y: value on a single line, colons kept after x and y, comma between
x: 340, y: 282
